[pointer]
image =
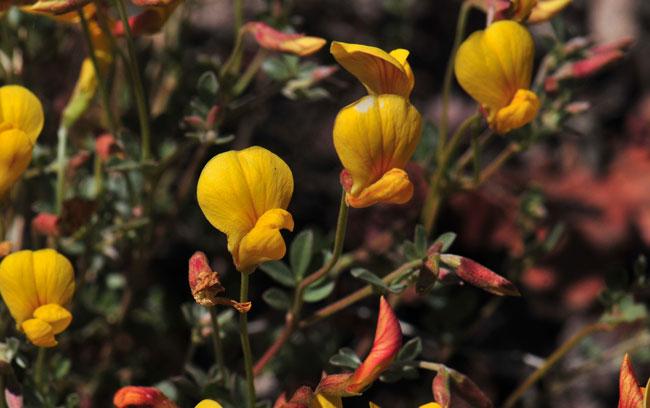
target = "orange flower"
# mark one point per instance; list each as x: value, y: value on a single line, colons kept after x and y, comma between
x: 142, y: 396
x: 631, y: 394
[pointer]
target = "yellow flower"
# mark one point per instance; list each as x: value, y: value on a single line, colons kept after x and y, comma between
x: 495, y: 66
x: 375, y: 137
x: 244, y: 194
x: 380, y: 72
x: 21, y: 121
x: 546, y: 10
x: 206, y: 403
x: 37, y: 286
x: 326, y: 401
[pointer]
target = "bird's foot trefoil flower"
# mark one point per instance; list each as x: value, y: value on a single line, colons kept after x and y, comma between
x: 37, y: 287
x: 245, y: 194
x: 495, y: 66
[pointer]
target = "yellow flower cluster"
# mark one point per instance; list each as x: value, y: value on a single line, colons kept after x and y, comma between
x: 376, y: 136
x: 21, y: 122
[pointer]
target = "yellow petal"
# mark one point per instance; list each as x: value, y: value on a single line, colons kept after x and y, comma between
x: 17, y: 285
x: 326, y: 401
x: 374, y: 135
x: 430, y: 405
x: 21, y: 109
x: 378, y: 71
x: 373, y: 405
x: 492, y: 65
x: 237, y: 187
x: 54, y: 277
x: 522, y: 109
x: 206, y: 403
x: 264, y: 242
x: 15, y: 155
x: 521, y: 9
x: 394, y: 187
x: 39, y: 332
x: 56, y: 316
x: 546, y: 10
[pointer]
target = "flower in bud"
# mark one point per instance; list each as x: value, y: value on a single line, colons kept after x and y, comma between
x: 58, y: 6
x: 142, y: 397
x: 302, y: 398
x: 46, y: 224
x: 440, y: 386
x: 106, y: 146
x: 274, y: 40
x: 630, y: 393
x: 479, y: 276
x: 205, y: 285
x: 545, y: 10
x: 388, y: 340
x: 469, y: 391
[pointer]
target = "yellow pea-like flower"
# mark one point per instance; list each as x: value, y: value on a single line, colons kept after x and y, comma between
x: 37, y: 287
x: 21, y: 121
x: 244, y: 194
x: 326, y: 401
x: 495, y: 66
x: 546, y: 9
x: 380, y: 72
x: 375, y: 137
x: 206, y: 403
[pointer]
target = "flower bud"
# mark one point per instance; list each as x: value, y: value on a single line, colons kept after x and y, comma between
x: 440, y: 386
x: 469, y: 391
x: 142, y: 396
x: 479, y: 276
x: 274, y: 40
x: 631, y: 395
x: 46, y: 224
x: 106, y: 146
x: 205, y: 284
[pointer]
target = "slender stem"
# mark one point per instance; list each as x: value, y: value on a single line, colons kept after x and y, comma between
x: 245, y: 341
x: 216, y: 342
x: 2, y: 391
x: 98, y: 176
x: 239, y: 22
x: 250, y: 72
x: 432, y: 203
x: 555, y: 357
x: 469, y: 153
x: 496, y: 164
x: 232, y: 64
x: 100, y: 79
x: 60, y: 170
x: 138, y: 87
x: 356, y: 296
x: 40, y: 370
x: 446, y: 86
x: 293, y: 316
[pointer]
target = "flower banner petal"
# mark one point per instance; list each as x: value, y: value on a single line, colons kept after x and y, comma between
x: 15, y: 155
x: 22, y: 109
x: 54, y: 277
x: 17, y: 285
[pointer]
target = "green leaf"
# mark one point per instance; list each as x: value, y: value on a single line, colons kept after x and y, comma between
x: 446, y: 239
x: 345, y: 358
x: 208, y: 83
x: 410, y: 251
x: 276, y: 69
x: 369, y: 277
x: 300, y: 253
x: 279, y: 272
x: 420, y: 241
x: 318, y: 293
x: 410, y: 350
x: 277, y: 299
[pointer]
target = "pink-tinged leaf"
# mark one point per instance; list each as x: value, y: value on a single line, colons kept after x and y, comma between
x: 274, y: 40
x: 335, y: 384
x: 301, y: 399
x: 388, y: 340
x: 630, y: 393
x: 480, y: 276
x: 440, y: 386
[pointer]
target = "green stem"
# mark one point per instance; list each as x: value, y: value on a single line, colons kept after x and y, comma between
x: 291, y: 323
x: 496, y: 164
x: 138, y: 87
x: 356, y: 296
x: 238, y: 7
x: 60, y: 170
x: 250, y: 72
x: 446, y: 86
x: 232, y: 64
x: 555, y: 357
x: 100, y: 80
x: 98, y: 176
x: 40, y: 370
x: 245, y: 341
x: 469, y: 153
x: 216, y: 342
x: 432, y: 202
